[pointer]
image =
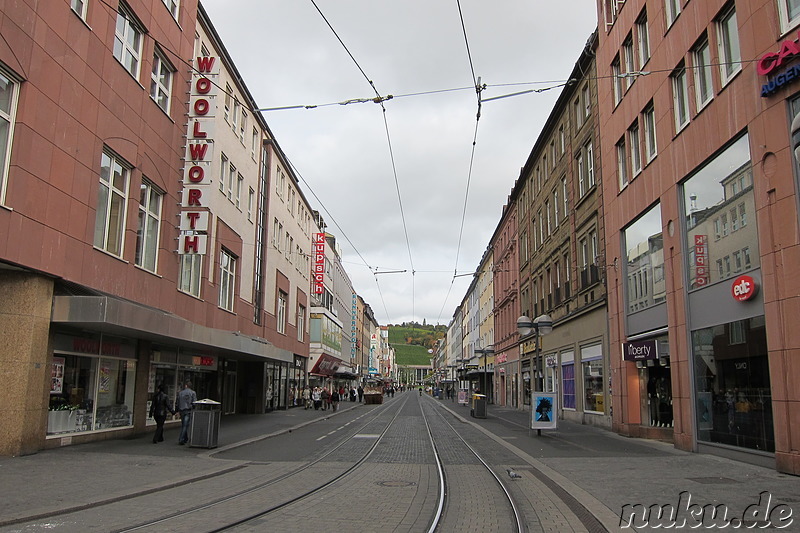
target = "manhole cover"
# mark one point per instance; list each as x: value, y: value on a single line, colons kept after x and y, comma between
x: 396, y: 483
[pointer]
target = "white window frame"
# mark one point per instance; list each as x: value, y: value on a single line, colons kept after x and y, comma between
x: 239, y: 184
x: 79, y: 7
x: 104, y: 215
x: 788, y: 22
x: 227, y: 280
x: 123, y: 49
x: 672, y: 9
x: 730, y: 55
x: 582, y: 181
x: 630, y: 66
x: 161, y: 81
x: 680, y: 97
x: 566, y: 196
x: 190, y: 274
x: 616, y: 73
x: 172, y: 6
x: 149, y: 226
x: 650, y: 140
x: 622, y: 164
x: 643, y: 39
x: 589, y: 156
x: 223, y: 170
x: 251, y: 195
x: 634, y: 139
x: 280, y: 312
x: 7, y: 119
x: 301, y: 322
x: 701, y: 57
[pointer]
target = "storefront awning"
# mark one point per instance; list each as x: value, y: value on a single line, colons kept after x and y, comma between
x: 120, y: 317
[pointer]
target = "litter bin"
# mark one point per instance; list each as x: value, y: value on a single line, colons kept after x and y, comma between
x: 205, y: 424
x: 478, y: 406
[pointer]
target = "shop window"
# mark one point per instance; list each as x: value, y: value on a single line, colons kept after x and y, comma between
x: 593, y: 385
x: 734, y: 398
x: 568, y: 376
x: 645, y: 249
x: 90, y: 393
x: 708, y: 204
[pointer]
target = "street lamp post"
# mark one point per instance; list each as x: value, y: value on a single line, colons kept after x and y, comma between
x: 542, y: 325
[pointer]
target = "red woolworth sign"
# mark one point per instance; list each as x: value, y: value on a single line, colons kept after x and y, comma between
x: 744, y: 288
x: 318, y: 268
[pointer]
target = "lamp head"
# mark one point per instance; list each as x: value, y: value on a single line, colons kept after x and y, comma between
x: 544, y: 324
x: 524, y: 326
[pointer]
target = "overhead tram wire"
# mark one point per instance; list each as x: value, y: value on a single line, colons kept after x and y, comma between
x: 379, y: 99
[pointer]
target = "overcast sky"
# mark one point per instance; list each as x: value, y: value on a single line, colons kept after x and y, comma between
x: 289, y: 56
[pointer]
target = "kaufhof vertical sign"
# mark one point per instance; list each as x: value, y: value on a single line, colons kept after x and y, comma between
x: 318, y: 266
x: 197, y: 173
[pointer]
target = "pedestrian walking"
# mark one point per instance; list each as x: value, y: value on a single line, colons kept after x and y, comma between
x: 186, y: 399
x: 360, y: 393
x: 306, y: 394
x: 353, y: 394
x: 335, y: 399
x: 326, y: 398
x: 316, y: 397
x: 158, y: 412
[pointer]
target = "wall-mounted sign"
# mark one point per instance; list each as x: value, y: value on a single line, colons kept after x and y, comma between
x: 771, y: 61
x: 640, y: 350
x: 701, y: 273
x: 318, y: 265
x: 199, y: 155
x: 743, y: 288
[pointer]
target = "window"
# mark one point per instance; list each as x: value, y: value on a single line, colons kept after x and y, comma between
x: 630, y: 68
x: 150, y: 200
x: 636, y: 150
x: 243, y: 125
x: 549, y: 217
x: 251, y: 195
x: 643, y: 38
x: 239, y: 183
x: 8, y: 106
x: 301, y: 322
x: 190, y: 274
x: 704, y: 90
x: 254, y: 143
x: 128, y: 41
x: 587, y: 102
x: 564, y: 195
x: 227, y: 279
x: 79, y: 7
x: 228, y: 93
x: 555, y: 206
x: 275, y: 225
x: 582, y: 181
x: 172, y: 5
x: 231, y: 176
x: 790, y: 14
x: 673, y: 9
x: 680, y: 97
x: 235, y: 113
x: 562, y: 140
x: 109, y: 226
x: 730, y: 57
x: 161, y: 81
x: 649, y: 119
x: 223, y: 169
x: 616, y: 72
x: 645, y: 256
x: 622, y: 164
x: 280, y: 312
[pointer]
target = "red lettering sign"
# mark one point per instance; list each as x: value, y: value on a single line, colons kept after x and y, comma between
x: 198, y: 150
x: 197, y: 132
x: 772, y: 60
x: 205, y: 64
x: 743, y: 288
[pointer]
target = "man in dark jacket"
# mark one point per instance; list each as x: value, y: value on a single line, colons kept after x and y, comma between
x: 158, y: 411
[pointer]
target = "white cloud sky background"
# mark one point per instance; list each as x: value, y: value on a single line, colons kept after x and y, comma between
x: 287, y: 55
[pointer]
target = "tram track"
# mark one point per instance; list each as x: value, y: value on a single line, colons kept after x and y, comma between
x: 455, y: 495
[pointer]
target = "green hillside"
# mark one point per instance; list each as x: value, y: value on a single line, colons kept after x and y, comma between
x: 408, y: 354
x: 424, y: 336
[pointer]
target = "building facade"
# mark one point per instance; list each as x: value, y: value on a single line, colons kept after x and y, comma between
x: 701, y: 222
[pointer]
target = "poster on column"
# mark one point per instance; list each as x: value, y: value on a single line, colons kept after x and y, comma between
x: 57, y: 376
x: 544, y: 414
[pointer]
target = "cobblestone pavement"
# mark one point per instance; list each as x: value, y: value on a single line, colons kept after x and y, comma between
x: 572, y: 479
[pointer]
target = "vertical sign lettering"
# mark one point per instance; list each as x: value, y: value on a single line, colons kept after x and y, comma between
x: 318, y: 266
x: 701, y: 273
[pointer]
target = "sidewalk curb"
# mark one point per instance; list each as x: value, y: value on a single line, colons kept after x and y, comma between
x: 598, y: 509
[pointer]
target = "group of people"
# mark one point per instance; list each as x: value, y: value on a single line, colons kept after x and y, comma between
x: 324, y: 398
